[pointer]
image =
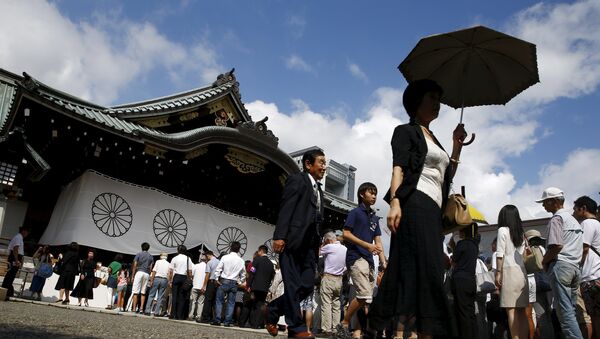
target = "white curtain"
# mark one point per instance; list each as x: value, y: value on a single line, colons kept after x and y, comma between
x: 99, y: 211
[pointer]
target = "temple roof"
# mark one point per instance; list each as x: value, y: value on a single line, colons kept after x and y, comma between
x: 246, y: 134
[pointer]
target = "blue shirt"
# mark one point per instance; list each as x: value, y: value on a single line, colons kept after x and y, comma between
x: 144, y: 261
x: 364, y: 224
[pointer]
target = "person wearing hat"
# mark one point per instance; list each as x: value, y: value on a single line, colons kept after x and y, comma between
x: 543, y: 321
x: 583, y: 210
x: 561, y: 261
x: 158, y: 283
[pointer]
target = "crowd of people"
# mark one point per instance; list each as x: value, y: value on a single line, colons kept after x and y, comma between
x: 343, y: 286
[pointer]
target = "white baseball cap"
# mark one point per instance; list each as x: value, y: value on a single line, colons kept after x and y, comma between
x: 550, y: 193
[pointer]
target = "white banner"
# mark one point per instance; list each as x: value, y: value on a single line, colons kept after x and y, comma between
x: 99, y: 211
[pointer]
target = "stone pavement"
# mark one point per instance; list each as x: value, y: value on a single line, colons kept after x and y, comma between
x: 21, y: 318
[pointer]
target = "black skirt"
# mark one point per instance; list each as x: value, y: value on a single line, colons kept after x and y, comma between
x: 412, y: 286
x: 66, y: 280
x: 84, y: 288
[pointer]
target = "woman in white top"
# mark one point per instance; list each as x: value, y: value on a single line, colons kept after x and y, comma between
x: 511, y: 277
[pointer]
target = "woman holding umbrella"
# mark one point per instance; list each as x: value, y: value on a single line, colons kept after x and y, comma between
x: 411, y: 290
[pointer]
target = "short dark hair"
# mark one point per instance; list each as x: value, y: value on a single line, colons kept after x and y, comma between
x: 235, y: 246
x: 263, y: 248
x: 587, y: 202
x: 24, y: 228
x: 310, y: 156
x: 181, y: 249
x: 118, y: 257
x: 145, y: 246
x: 414, y: 93
x: 209, y: 252
x: 92, y: 250
x: 365, y: 186
x: 74, y: 246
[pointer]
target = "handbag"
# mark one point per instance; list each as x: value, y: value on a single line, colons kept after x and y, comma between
x: 532, y: 258
x: 486, y: 282
x: 45, y: 270
x: 456, y: 214
x: 188, y: 282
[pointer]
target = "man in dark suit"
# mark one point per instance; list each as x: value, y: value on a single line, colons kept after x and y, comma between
x: 296, y: 239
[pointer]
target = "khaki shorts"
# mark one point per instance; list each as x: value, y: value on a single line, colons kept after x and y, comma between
x: 363, y: 279
x: 580, y: 311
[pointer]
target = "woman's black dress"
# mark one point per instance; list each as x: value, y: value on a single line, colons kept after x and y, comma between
x: 412, y: 286
x: 68, y: 270
x: 85, y: 287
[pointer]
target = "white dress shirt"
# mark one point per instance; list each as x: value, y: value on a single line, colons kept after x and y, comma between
x: 161, y: 267
x: 199, y: 271
x: 231, y: 267
x: 181, y: 263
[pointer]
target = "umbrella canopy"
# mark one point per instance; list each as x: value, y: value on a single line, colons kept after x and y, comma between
x: 476, y: 215
x: 475, y: 66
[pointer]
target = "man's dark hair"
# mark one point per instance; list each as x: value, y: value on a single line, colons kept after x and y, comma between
x: 587, y: 202
x: 74, y: 246
x: 145, y: 246
x: 263, y: 248
x: 414, y: 93
x: 209, y: 252
x: 181, y: 249
x: 235, y: 246
x: 119, y: 257
x: 24, y: 228
x: 310, y: 156
x: 365, y: 186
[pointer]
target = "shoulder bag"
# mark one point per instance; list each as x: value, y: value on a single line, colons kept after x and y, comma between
x: 485, y: 280
x: 45, y: 270
x: 532, y: 258
x: 188, y: 282
x: 456, y: 214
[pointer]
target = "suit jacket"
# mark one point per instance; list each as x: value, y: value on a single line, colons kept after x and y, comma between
x: 409, y: 149
x: 296, y: 222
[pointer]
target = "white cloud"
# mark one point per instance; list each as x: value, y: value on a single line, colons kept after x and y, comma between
x: 297, y: 24
x: 357, y: 72
x: 93, y: 60
x: 295, y: 62
x: 568, y: 46
x: 569, y: 65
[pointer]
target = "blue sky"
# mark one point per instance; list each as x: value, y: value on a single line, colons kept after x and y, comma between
x: 328, y: 69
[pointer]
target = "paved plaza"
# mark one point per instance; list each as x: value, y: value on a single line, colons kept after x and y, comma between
x: 26, y: 319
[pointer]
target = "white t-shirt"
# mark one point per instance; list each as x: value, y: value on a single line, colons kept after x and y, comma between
x: 199, y: 271
x: 161, y: 267
x: 181, y: 263
x: 591, y: 236
x: 17, y: 240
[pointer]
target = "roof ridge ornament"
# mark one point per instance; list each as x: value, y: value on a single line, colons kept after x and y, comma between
x: 225, y: 78
x: 259, y: 129
x: 29, y: 82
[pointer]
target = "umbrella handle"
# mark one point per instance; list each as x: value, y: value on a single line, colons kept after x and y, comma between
x: 467, y: 143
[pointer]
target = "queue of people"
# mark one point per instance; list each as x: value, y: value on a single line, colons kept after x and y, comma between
x: 424, y: 288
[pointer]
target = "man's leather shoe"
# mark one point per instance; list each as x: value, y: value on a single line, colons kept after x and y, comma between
x: 272, y: 329
x: 305, y: 335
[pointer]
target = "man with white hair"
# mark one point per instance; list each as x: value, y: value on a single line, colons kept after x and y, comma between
x: 562, y: 258
x: 158, y: 283
x: 334, y: 254
x: 198, y: 288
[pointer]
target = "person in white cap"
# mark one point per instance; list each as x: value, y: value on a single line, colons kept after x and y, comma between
x: 561, y: 261
x: 583, y: 210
